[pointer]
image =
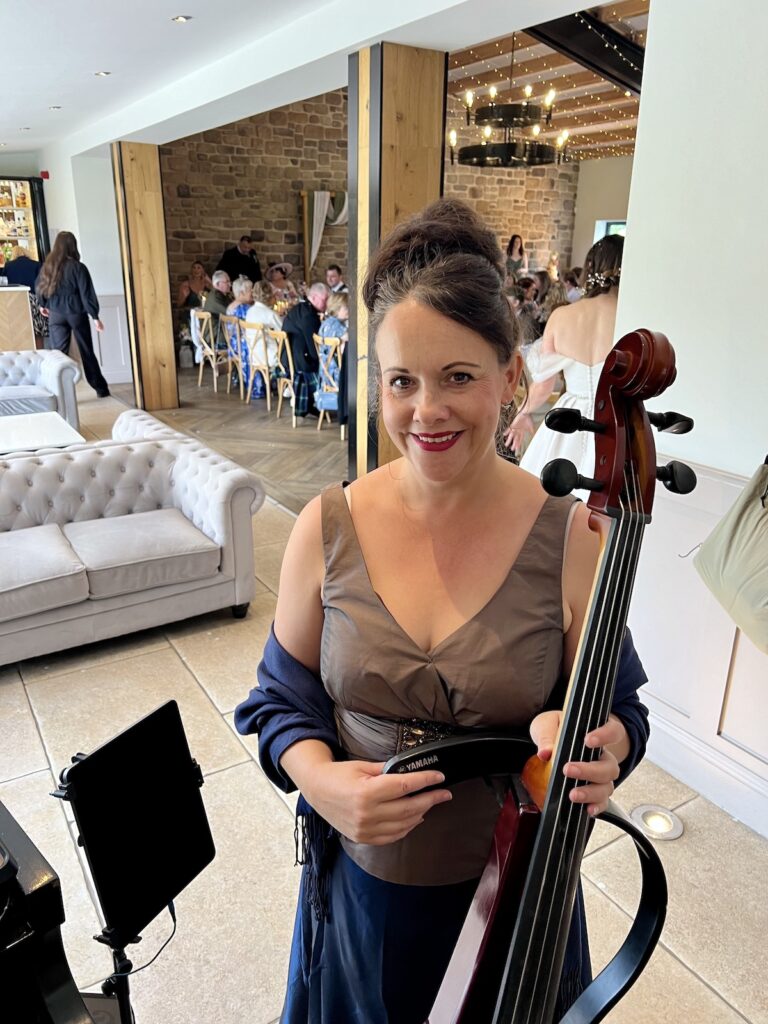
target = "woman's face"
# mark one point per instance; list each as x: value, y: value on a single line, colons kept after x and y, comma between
x: 198, y: 270
x: 442, y: 390
x: 343, y: 313
x: 277, y: 278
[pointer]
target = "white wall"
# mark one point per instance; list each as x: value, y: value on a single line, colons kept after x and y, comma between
x: 97, y: 221
x: 603, y: 194
x: 22, y: 165
x: 699, y: 207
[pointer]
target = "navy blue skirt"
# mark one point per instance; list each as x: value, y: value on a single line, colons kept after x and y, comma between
x: 380, y: 954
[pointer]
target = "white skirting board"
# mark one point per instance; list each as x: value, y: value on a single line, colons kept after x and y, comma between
x: 739, y: 791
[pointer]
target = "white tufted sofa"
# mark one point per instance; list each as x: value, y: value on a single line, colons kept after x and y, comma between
x: 100, y: 541
x: 39, y: 382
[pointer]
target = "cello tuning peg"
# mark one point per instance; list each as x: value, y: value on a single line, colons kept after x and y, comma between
x: 671, y: 422
x: 568, y: 421
x: 559, y: 477
x: 677, y: 477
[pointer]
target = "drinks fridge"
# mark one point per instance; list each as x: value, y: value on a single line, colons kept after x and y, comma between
x: 22, y: 218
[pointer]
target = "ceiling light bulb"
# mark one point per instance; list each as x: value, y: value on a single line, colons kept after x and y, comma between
x: 566, y: 133
x: 536, y: 129
x: 102, y: 74
x: 469, y: 97
x: 627, y: 93
x: 492, y: 92
x: 528, y: 90
x: 452, y: 137
x: 487, y: 131
x: 549, y: 99
x: 560, y: 141
x: 182, y: 18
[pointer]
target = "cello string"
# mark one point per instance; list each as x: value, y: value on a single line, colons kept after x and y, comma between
x: 575, y: 821
x: 547, y: 868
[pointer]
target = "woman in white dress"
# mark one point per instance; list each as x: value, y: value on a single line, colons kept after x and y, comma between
x: 576, y: 341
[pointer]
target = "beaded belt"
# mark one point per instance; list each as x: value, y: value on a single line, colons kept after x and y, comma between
x: 413, y: 732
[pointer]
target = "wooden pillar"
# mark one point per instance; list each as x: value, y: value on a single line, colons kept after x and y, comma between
x: 396, y: 149
x: 141, y: 225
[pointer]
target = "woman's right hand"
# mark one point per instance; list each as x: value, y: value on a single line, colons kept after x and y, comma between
x: 517, y: 433
x: 368, y: 807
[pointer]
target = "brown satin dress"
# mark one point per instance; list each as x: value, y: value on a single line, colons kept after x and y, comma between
x: 496, y: 670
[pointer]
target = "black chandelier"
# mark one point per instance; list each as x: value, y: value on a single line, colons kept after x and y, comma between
x: 515, y: 150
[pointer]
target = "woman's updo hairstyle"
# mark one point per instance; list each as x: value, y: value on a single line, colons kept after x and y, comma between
x: 602, y: 267
x: 447, y: 259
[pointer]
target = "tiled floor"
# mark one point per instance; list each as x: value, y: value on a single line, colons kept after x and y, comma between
x: 226, y: 964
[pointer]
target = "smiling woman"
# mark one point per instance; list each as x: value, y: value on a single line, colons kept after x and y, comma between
x: 442, y: 592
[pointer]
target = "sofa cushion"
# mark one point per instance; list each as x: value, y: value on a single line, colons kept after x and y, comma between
x: 38, y: 571
x: 16, y: 400
x: 125, y: 554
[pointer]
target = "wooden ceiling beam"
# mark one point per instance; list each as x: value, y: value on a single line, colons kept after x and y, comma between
x: 523, y: 69
x: 586, y: 139
x: 563, y: 84
x: 493, y: 49
x: 583, y: 104
x: 586, y: 122
x: 611, y: 13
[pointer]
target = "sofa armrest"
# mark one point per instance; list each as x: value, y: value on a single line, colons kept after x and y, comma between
x: 137, y: 425
x: 59, y: 374
x: 220, y: 498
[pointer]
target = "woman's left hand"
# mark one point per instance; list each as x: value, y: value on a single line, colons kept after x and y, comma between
x: 596, y: 777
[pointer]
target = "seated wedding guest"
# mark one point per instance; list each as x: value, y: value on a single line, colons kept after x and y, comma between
x: 193, y: 288
x: 333, y: 278
x: 516, y: 299
x: 283, y: 289
x: 241, y: 259
x: 543, y: 281
x: 571, y: 280
x: 556, y: 296
x: 530, y: 289
x: 335, y: 324
x: 242, y: 289
x: 300, y: 323
x: 218, y: 299
x: 261, y: 312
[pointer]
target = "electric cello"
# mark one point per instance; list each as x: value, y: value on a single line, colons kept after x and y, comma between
x: 507, y: 963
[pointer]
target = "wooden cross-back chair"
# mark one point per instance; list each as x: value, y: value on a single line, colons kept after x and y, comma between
x: 327, y: 395
x: 284, y: 370
x: 231, y: 329
x: 210, y: 353
x: 258, y: 358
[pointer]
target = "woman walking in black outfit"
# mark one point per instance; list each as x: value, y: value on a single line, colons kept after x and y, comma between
x: 67, y: 296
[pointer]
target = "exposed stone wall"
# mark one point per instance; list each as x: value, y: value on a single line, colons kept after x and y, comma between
x: 245, y: 178
x: 538, y: 203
